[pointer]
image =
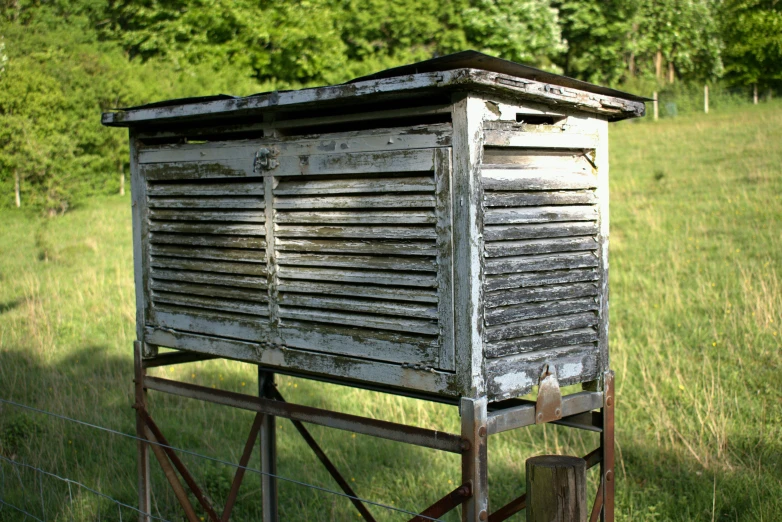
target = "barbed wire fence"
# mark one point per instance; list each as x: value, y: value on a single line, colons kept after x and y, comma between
x: 33, y: 502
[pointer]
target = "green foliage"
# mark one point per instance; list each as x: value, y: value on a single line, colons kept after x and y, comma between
x: 63, y: 62
x: 685, y: 32
x: 519, y: 30
x: 596, y: 34
x: 303, y: 42
x: 752, y: 31
x: 613, y: 41
x: 288, y: 43
x: 15, y: 433
x: 57, y: 81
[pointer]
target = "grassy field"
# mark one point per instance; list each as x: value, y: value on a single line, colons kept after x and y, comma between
x: 696, y: 323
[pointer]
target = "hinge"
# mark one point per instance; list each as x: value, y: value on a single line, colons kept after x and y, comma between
x: 548, y: 406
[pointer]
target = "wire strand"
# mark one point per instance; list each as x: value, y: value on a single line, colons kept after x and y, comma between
x: 3, y: 502
x: 213, y: 459
x: 79, y: 484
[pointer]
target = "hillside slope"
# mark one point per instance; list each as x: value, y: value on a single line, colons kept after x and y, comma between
x: 696, y: 318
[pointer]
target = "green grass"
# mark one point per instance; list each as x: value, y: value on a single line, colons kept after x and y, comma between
x: 696, y: 318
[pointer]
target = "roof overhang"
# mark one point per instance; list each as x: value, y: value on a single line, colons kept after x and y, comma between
x: 491, y: 76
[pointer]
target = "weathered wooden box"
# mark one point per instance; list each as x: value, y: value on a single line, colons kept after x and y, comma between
x: 439, y: 229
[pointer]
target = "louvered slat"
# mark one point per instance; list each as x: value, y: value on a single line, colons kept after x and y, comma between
x: 541, y: 253
x: 336, y: 269
x: 207, y: 254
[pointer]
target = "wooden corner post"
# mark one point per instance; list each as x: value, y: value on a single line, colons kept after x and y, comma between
x: 144, y: 479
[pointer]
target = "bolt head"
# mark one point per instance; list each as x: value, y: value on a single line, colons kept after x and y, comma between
x: 609, y: 401
x: 609, y: 476
x: 484, y: 515
x: 482, y: 431
x: 540, y: 416
x: 557, y: 413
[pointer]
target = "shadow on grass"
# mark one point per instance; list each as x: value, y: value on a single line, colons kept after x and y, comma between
x: 95, y: 386
x: 9, y: 305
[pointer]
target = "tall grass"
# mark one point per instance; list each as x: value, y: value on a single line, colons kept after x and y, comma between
x: 696, y: 322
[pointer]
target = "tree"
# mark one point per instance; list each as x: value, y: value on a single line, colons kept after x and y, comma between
x: 684, y: 34
x: 285, y: 43
x: 752, y: 31
x: 600, y: 39
x: 519, y: 30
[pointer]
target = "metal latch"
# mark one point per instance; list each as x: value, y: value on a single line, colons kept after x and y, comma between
x: 549, y: 403
x: 265, y: 159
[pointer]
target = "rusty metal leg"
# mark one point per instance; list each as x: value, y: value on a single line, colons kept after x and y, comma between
x: 239, y: 476
x: 206, y: 504
x: 172, y: 478
x: 475, y: 458
x: 144, y: 479
x: 444, y: 505
x: 330, y: 467
x: 268, y: 449
x: 597, y: 508
x: 608, y: 476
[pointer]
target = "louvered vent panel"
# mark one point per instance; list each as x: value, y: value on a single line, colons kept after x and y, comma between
x: 207, y: 256
x: 541, y: 254
x: 357, y: 257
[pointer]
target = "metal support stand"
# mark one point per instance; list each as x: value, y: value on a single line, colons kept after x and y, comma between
x: 144, y: 478
x: 268, y: 449
x: 475, y: 458
x: 479, y: 421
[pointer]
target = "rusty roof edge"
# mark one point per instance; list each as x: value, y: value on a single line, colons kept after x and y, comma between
x: 219, y: 106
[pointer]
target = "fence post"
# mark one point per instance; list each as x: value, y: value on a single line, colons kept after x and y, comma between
x: 556, y: 489
x: 706, y: 99
x: 656, y: 110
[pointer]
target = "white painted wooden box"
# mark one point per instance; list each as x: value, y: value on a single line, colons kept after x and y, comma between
x: 436, y: 230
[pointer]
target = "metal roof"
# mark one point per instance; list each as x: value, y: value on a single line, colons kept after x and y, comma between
x: 476, y: 60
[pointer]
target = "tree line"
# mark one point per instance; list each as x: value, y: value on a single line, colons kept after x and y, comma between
x: 62, y: 62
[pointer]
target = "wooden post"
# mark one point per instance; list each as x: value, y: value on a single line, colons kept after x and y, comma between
x: 17, y: 189
x: 144, y: 479
x: 656, y: 108
x: 556, y: 489
x: 268, y: 450
x: 755, y: 93
x: 706, y: 99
